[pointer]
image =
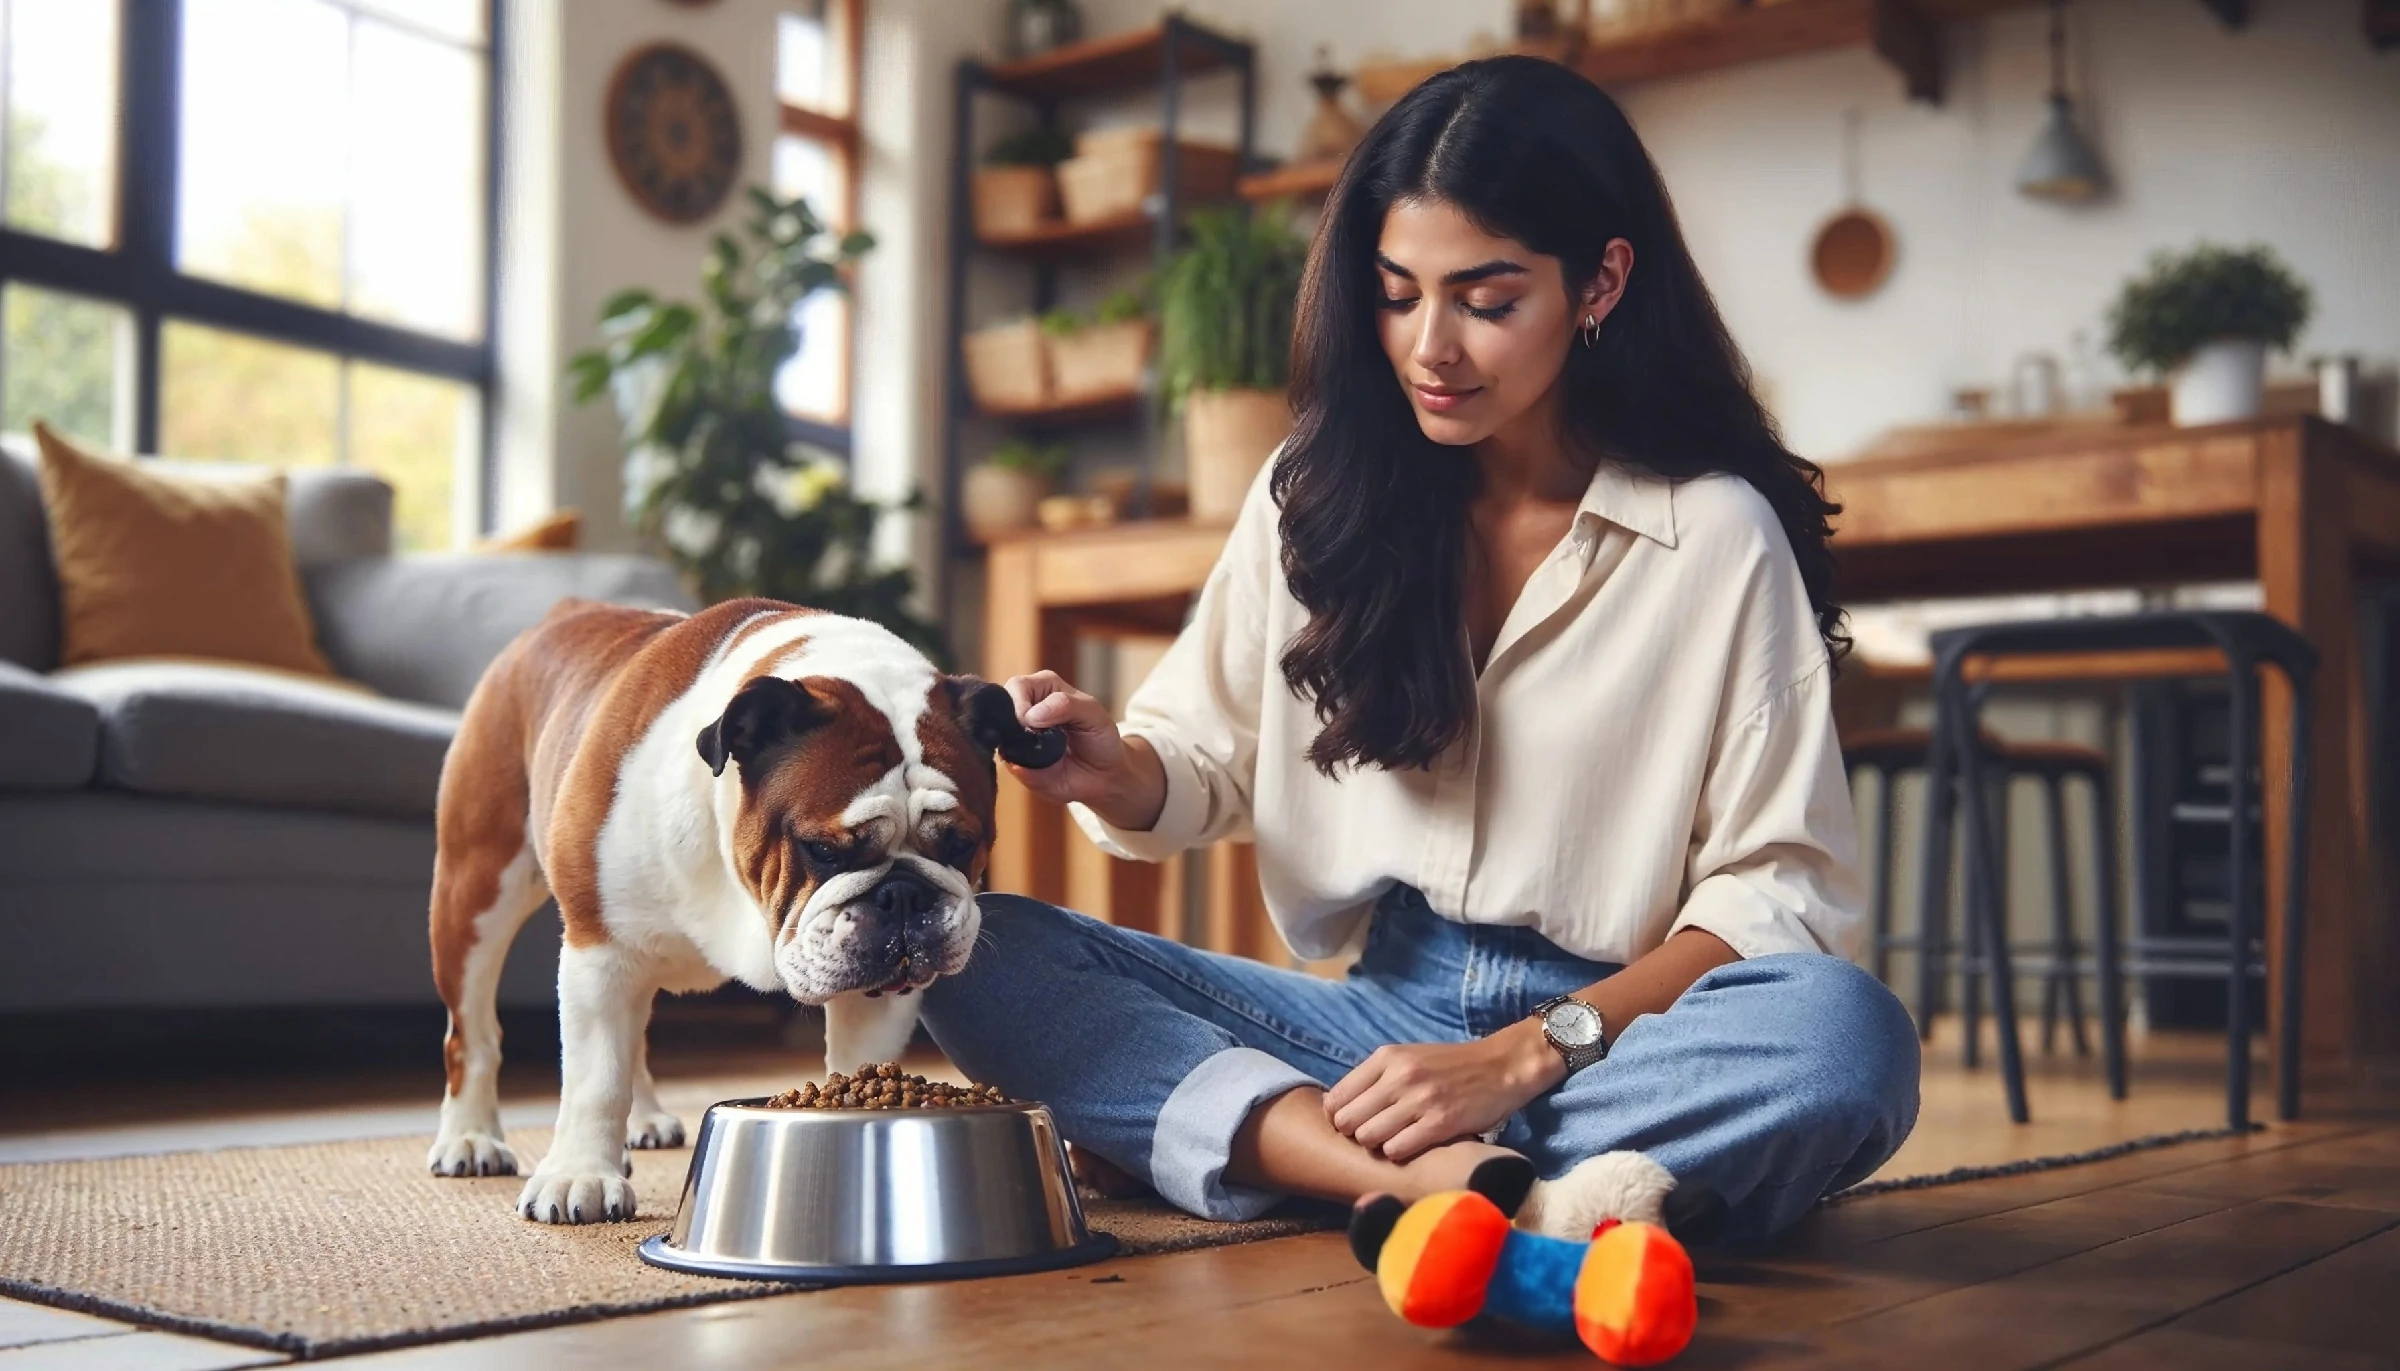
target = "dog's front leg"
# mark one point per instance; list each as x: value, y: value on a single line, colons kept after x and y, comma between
x: 859, y: 1030
x: 603, y: 1003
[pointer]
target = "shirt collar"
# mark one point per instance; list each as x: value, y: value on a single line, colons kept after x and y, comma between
x: 1632, y: 499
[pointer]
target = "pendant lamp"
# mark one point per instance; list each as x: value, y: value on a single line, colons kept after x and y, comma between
x: 2062, y: 165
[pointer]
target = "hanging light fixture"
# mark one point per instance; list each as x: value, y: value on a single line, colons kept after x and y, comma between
x: 2062, y: 165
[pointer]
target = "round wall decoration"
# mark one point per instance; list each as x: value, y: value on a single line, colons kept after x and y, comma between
x: 672, y: 132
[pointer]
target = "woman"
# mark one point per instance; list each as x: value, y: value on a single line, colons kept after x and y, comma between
x: 1519, y: 661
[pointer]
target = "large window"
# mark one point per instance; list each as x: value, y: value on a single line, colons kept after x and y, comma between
x: 816, y: 155
x: 255, y: 230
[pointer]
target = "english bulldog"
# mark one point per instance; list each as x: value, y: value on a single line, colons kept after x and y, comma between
x: 757, y: 792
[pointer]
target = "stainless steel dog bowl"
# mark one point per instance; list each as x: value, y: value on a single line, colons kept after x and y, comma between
x: 858, y: 1195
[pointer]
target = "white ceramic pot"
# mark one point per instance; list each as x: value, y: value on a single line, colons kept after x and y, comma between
x: 996, y: 500
x: 1227, y: 436
x: 2221, y: 382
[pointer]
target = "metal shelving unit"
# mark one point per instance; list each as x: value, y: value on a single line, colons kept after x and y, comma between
x: 1162, y: 57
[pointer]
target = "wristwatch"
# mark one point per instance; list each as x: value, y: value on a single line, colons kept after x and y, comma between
x: 1574, y: 1030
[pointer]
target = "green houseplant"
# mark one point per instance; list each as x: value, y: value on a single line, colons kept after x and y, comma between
x: 1225, y: 304
x: 2206, y: 319
x: 712, y: 470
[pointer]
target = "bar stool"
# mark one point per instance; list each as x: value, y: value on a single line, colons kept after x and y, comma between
x: 1897, y: 752
x: 2247, y: 641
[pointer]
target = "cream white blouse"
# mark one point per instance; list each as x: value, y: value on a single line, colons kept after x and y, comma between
x: 1653, y: 750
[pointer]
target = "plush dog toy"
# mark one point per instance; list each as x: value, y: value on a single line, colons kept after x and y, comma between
x: 1627, y: 1293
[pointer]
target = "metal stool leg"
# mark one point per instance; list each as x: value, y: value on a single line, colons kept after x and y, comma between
x: 2241, y: 903
x: 2295, y: 904
x: 1983, y: 867
x: 1884, y: 810
x: 2108, y: 933
x: 1933, y: 882
x: 2064, y: 974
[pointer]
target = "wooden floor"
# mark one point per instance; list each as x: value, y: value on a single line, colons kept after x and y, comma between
x: 2277, y: 1250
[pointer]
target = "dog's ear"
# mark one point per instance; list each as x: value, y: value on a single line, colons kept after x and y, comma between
x: 767, y: 710
x: 989, y: 717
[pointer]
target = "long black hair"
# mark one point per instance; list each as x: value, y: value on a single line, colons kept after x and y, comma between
x: 1375, y: 513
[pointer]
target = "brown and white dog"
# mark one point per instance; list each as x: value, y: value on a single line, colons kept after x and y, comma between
x: 756, y: 792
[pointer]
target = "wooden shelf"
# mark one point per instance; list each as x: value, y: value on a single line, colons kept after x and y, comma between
x: 1087, y: 409
x: 1065, y: 239
x: 1293, y: 181
x: 1118, y: 62
x: 1901, y: 31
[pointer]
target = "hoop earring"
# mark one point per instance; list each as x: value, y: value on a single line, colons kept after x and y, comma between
x: 1590, y: 331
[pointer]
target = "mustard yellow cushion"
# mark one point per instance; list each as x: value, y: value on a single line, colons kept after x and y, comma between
x: 155, y: 565
x: 558, y: 533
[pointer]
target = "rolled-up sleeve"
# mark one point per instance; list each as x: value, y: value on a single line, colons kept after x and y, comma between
x: 1199, y: 707
x: 1774, y: 847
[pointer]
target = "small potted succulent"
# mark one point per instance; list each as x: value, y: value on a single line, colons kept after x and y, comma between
x: 1016, y: 190
x: 1003, y: 493
x: 1100, y: 357
x: 2206, y: 319
x: 1225, y: 348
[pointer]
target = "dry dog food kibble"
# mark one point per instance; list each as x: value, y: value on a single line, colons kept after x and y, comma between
x: 885, y: 1086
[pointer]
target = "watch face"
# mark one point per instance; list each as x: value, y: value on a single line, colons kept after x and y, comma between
x: 1574, y: 1024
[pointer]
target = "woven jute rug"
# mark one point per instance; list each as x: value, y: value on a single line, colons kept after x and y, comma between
x: 346, y: 1247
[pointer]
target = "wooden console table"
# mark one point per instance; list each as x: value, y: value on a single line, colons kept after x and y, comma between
x: 2307, y: 508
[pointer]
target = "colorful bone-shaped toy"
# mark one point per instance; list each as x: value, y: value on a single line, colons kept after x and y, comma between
x: 1627, y: 1294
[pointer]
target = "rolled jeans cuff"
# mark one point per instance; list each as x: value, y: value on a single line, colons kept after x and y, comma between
x: 1194, y: 1138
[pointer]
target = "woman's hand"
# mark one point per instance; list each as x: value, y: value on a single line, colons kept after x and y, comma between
x: 1121, y: 781
x: 1409, y: 1097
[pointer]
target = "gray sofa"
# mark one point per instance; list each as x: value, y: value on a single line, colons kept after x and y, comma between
x: 179, y: 835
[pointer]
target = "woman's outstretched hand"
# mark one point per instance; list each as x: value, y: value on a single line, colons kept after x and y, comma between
x: 1408, y: 1097
x: 1120, y: 780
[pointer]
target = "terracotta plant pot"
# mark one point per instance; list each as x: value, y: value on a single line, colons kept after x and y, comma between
x: 1008, y: 367
x: 1099, y: 359
x: 1013, y: 201
x: 1227, y: 436
x: 994, y: 500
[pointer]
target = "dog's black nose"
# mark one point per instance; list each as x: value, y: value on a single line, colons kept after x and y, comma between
x: 903, y: 897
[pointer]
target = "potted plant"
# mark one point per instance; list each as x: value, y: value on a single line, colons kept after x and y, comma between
x: 711, y: 470
x: 1101, y: 357
x: 2206, y: 319
x: 1225, y: 341
x: 1016, y: 190
x: 1004, y: 492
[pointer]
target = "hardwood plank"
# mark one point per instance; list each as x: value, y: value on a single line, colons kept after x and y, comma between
x: 136, y: 1352
x: 2318, y: 1306
x: 2089, y: 1300
x: 22, y: 1324
x: 1769, y: 1297
x: 1844, y: 1227
x: 1048, y: 1319
x: 2195, y: 1352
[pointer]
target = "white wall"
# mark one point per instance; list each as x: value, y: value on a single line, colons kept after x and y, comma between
x: 2287, y: 132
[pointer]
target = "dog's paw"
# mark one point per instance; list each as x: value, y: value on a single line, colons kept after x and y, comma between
x: 575, y: 1195
x: 470, y: 1154
x: 653, y: 1130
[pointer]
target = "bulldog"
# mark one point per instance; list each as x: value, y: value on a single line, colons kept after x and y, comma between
x: 757, y: 792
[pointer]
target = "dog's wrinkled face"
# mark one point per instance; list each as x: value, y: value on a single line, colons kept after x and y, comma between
x: 863, y: 848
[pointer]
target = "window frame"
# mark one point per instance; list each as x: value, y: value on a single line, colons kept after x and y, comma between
x: 139, y: 273
x: 839, y: 133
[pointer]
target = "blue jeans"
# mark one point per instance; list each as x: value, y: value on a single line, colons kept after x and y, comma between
x: 1771, y: 1081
